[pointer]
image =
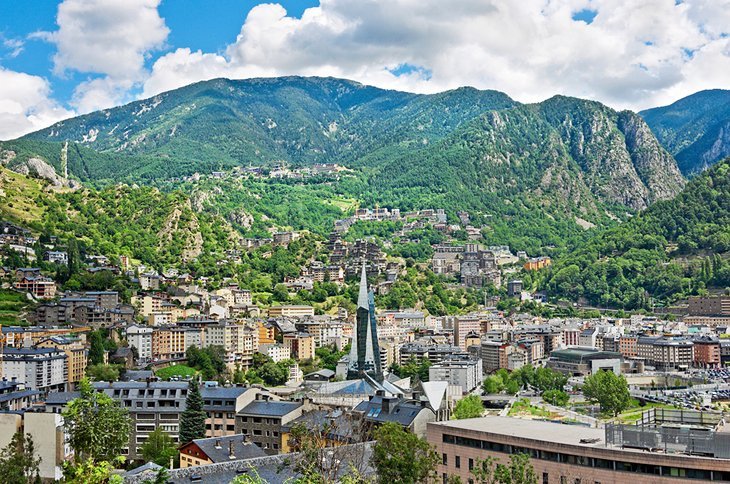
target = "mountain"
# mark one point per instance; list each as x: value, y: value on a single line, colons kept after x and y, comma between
x: 531, y: 174
x: 673, y: 249
x: 223, y: 123
x: 695, y: 129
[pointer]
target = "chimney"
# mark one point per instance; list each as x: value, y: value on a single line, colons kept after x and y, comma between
x: 231, y: 455
x: 217, y: 443
x: 388, y: 404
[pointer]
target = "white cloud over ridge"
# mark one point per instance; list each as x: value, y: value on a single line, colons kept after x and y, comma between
x: 632, y: 55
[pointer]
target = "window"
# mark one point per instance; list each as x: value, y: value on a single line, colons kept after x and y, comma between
x: 545, y: 478
x: 471, y: 463
x: 457, y: 462
x: 444, y: 460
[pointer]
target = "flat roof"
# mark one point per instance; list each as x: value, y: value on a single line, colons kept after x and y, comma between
x: 530, y: 429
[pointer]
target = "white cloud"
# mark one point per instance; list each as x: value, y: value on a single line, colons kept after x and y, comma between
x: 101, y: 93
x: 632, y: 55
x: 25, y: 104
x: 110, y: 38
x: 107, y: 36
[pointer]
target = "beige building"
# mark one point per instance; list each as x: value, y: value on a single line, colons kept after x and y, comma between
x: 291, y: 311
x: 76, y: 356
x: 46, y: 430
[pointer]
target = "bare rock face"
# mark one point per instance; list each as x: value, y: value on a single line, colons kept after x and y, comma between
x: 653, y: 164
x: 240, y: 217
x: 40, y: 169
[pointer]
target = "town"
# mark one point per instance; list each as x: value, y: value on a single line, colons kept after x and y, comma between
x: 265, y: 372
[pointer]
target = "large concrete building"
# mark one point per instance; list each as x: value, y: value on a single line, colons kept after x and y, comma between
x: 572, y: 454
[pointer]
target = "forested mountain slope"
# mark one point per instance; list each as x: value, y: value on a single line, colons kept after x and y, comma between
x: 673, y: 249
x: 695, y: 129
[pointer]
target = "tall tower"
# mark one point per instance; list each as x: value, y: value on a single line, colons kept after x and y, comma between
x: 365, y: 351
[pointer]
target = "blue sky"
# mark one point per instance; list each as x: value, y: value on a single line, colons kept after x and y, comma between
x: 208, y: 25
x: 64, y: 58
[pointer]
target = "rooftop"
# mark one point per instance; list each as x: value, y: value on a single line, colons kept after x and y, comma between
x: 531, y: 429
x: 269, y: 408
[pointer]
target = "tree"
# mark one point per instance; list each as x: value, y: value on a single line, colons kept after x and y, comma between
x: 493, y: 384
x: 273, y: 374
x: 102, y: 372
x: 400, y: 456
x: 159, y: 448
x: 97, y: 425
x: 518, y: 471
x: 609, y: 390
x: 90, y: 471
x: 192, y: 420
x: 468, y: 407
x: 556, y: 397
x: 18, y: 463
x: 318, y: 460
x: 96, y: 351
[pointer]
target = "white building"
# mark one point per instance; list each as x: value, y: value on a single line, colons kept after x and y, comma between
x: 465, y: 372
x: 40, y: 369
x: 140, y: 337
x: 276, y: 351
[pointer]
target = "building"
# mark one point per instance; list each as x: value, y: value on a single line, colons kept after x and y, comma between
x: 537, y: 263
x: 460, y: 370
x: 276, y: 351
x: 581, y: 360
x: 301, y: 345
x: 409, y: 414
x: 140, y: 337
x: 43, y: 369
x: 514, y: 288
x: 707, y: 352
x: 576, y: 454
x: 76, y: 355
x: 291, y: 311
x: 222, y: 404
x: 464, y: 326
x: 38, y: 286
x: 151, y: 405
x: 218, y: 449
x: 666, y: 353
x: 262, y: 421
x: 14, y: 397
x: 49, y: 440
x: 55, y: 257
x: 365, y: 350
x: 709, y: 306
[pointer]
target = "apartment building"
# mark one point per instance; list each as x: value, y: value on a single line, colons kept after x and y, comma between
x: 461, y: 370
x: 151, y: 405
x: 76, y: 356
x: 263, y: 421
x: 290, y: 311
x: 140, y: 337
x: 43, y: 369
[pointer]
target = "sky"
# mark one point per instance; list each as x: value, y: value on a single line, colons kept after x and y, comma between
x: 64, y: 58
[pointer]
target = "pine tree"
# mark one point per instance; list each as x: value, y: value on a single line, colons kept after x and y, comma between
x: 192, y: 420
